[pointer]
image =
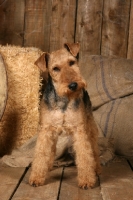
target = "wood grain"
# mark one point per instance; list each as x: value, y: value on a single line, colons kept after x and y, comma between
x: 88, y: 27
x: 115, y: 28
x: 48, y: 191
x: 116, y: 181
x: 9, y: 179
x: 37, y: 24
x: 70, y: 189
x: 62, y: 23
x: 102, y: 27
x: 12, y: 22
x: 131, y: 163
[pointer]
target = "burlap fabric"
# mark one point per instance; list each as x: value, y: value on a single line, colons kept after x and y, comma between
x: 110, y: 86
x: 3, y: 87
x: 65, y: 156
x: 107, y: 78
x: 115, y: 121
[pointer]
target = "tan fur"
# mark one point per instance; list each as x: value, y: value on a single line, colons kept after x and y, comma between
x: 76, y: 120
x: 21, y: 116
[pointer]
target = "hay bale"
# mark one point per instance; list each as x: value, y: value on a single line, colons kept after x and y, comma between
x: 20, y: 120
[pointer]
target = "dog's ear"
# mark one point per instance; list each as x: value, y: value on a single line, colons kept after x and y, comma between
x: 42, y: 61
x: 73, y: 48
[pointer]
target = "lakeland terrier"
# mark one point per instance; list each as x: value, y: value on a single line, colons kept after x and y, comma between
x: 65, y: 106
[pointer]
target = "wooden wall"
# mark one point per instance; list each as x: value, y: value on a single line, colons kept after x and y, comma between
x: 101, y: 26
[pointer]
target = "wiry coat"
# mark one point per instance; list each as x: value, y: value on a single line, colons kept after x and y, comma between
x: 65, y: 106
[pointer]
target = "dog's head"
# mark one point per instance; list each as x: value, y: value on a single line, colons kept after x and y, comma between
x: 62, y: 66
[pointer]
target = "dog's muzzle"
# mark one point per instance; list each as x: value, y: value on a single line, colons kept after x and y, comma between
x: 73, y: 86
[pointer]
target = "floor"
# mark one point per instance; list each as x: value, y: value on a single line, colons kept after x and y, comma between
x: 115, y: 183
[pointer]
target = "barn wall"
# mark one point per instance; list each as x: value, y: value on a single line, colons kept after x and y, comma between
x: 101, y: 26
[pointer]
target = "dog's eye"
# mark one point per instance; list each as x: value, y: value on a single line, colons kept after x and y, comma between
x: 72, y: 62
x: 56, y: 69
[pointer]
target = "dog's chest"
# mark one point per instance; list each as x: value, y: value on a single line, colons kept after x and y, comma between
x: 63, y: 112
x: 62, y: 104
x: 66, y: 114
x: 65, y: 105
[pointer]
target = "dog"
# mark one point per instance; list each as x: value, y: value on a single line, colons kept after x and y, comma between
x: 65, y: 106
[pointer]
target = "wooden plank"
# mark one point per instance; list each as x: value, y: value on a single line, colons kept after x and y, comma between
x: 117, y: 181
x: 62, y: 23
x: 88, y: 27
x: 70, y: 189
x: 130, y: 39
x: 12, y: 22
x: 131, y: 162
x: 115, y: 28
x: 48, y: 191
x: 37, y: 24
x: 9, y: 179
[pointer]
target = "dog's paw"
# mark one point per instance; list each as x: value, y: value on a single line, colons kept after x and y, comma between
x: 83, y: 186
x: 35, y: 181
x: 87, y: 184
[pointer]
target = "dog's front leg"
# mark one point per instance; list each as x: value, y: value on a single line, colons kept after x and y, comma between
x: 43, y: 154
x: 85, y: 160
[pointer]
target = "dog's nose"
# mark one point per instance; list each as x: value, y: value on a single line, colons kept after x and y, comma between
x: 73, y: 86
